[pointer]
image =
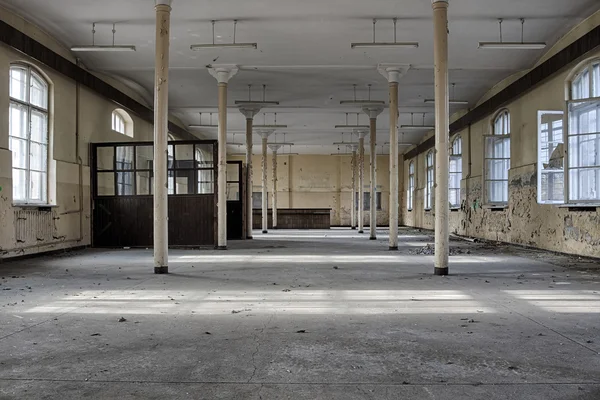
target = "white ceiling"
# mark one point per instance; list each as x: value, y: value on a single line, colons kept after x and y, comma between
x: 304, y: 55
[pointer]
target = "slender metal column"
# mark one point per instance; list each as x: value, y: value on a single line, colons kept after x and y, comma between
x: 373, y: 112
x: 223, y: 73
x: 392, y: 74
x: 161, y: 132
x: 265, y: 215
x: 440, y: 48
x: 353, y: 197
x: 274, y: 149
x: 361, y: 179
x: 249, y: 113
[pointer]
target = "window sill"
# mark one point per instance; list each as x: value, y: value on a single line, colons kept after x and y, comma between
x: 30, y: 206
x: 579, y: 207
x: 495, y: 207
x: 454, y: 209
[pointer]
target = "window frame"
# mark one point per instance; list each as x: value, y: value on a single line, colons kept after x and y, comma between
x: 504, y: 136
x: 540, y: 170
x: 410, y: 198
x: 429, y: 180
x: 123, y: 117
x: 578, y: 71
x: 458, y: 158
x: 31, y: 71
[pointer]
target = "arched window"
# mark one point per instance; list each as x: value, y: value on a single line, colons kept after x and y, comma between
x: 584, y: 134
x: 455, y: 172
x: 411, y: 186
x: 28, y: 134
x: 122, y: 122
x: 497, y: 160
x: 429, y: 180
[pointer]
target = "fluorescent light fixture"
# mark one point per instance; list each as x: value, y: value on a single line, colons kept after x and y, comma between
x: 197, y: 47
x: 251, y: 103
x: 102, y: 48
x: 352, y: 126
x: 456, y: 102
x: 416, y: 127
x: 273, y: 126
x: 202, y: 126
x: 384, y: 45
x: 363, y: 102
x: 512, y: 45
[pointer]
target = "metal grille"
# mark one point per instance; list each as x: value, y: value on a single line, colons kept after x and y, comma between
x: 33, y: 226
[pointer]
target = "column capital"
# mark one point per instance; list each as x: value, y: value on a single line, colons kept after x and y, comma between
x: 249, y: 110
x: 223, y: 72
x: 265, y: 133
x: 361, y: 133
x: 393, y: 72
x: 274, y: 147
x: 439, y: 3
x: 354, y: 147
x: 373, y: 111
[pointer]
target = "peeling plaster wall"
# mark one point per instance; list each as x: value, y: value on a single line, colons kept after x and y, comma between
x: 321, y: 181
x: 524, y: 221
x: 63, y: 220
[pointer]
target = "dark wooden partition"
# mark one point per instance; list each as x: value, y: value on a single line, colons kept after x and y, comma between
x: 122, y: 186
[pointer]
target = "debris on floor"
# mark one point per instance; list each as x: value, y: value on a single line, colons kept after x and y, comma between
x: 429, y: 250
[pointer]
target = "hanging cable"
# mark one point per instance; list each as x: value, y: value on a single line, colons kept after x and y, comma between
x: 234, y: 29
x: 374, y: 23
x: 113, y: 32
x: 395, y: 21
x: 522, y: 29
x: 264, y: 92
x: 213, y: 30
x: 93, y: 34
x: 500, y: 23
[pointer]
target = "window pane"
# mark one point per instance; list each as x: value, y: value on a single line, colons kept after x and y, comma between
x: 256, y: 200
x: 233, y: 191
x: 125, y: 183
x: 38, y: 157
x: 105, y: 158
x: 37, y: 187
x: 584, y: 184
x: 233, y: 172
x: 596, y: 80
x: 206, y: 182
x: 19, y: 184
x: 184, y: 156
x: 497, y: 169
x: 39, y: 91
x: 552, y: 187
x: 124, y: 157
x: 144, y: 182
x: 106, y: 183
x: 184, y: 181
x: 204, y: 156
x: 144, y: 157
x: 19, y: 152
x: 581, y: 86
x: 497, y: 191
x: 584, y: 151
x: 39, y: 126
x: 18, y: 120
x: 18, y: 83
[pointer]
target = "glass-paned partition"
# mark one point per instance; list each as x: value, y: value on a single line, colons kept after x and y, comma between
x: 127, y: 169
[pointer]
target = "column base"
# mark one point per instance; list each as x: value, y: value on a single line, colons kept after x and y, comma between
x: 249, y: 238
x: 221, y: 247
x: 353, y: 228
x: 372, y: 238
x: 392, y: 248
x: 361, y: 231
x: 161, y: 270
x: 265, y: 232
x: 440, y: 271
x: 274, y: 227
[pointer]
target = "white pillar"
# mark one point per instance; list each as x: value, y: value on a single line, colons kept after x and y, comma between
x: 361, y: 179
x: 440, y: 49
x: 161, y: 133
x: 373, y: 112
x: 249, y: 112
x: 265, y: 205
x: 392, y: 74
x: 353, y: 197
x: 274, y: 149
x: 223, y: 73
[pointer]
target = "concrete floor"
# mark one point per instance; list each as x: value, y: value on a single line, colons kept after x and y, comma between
x: 302, y: 315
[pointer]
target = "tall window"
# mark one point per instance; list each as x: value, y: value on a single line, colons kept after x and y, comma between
x: 584, y: 135
x: 497, y: 160
x: 367, y: 201
x: 28, y: 134
x: 551, y: 177
x: 411, y: 186
x: 455, y: 173
x: 122, y: 122
x: 429, y: 182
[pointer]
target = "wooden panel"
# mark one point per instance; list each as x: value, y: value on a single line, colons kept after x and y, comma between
x: 34, y: 49
x: 128, y: 221
x: 295, y: 218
